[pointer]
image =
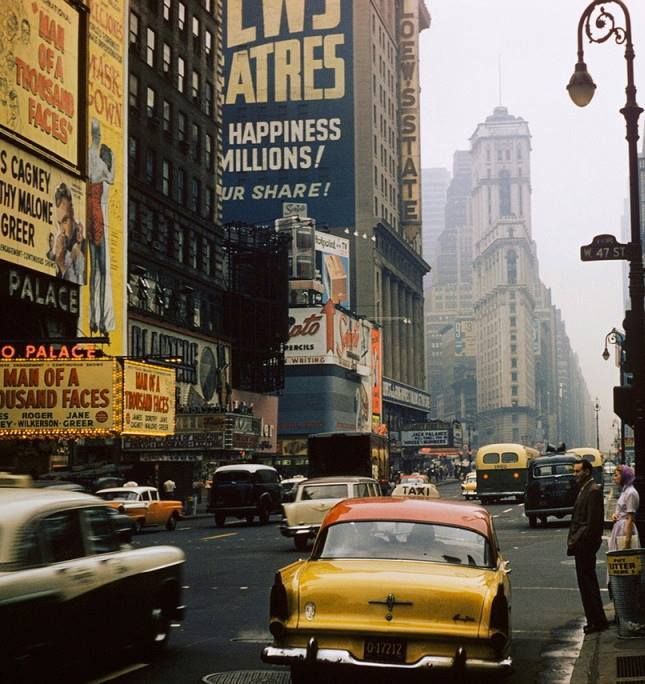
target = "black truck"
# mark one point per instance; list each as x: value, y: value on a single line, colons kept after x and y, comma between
x: 349, y: 453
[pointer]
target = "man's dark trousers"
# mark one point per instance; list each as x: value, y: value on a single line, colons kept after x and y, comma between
x: 589, y: 589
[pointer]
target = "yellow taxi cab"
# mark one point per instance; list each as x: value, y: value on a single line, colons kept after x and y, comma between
x: 397, y: 585
x: 469, y: 486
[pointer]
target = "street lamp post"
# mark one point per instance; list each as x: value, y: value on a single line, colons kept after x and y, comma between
x: 617, y: 338
x: 600, y: 25
x: 596, y: 408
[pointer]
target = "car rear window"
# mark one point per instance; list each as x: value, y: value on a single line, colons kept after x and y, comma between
x: 324, y: 491
x: 227, y: 476
x: 407, y: 540
x: 549, y: 469
x: 490, y: 458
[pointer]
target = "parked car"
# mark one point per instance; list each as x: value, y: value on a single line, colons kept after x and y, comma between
x: 143, y: 505
x: 396, y: 585
x: 65, y: 567
x: 551, y: 488
x: 244, y: 491
x: 314, y: 497
x: 469, y: 486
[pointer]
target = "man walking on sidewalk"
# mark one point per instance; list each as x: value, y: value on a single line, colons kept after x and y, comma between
x: 583, y: 542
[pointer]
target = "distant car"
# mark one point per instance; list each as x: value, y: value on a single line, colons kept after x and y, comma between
x: 395, y: 586
x: 551, y: 488
x: 314, y: 497
x: 413, y: 478
x: 143, y: 505
x: 469, y: 486
x: 245, y: 490
x: 65, y: 567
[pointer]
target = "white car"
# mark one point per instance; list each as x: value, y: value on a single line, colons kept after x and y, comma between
x: 469, y: 486
x: 302, y: 517
x: 66, y: 566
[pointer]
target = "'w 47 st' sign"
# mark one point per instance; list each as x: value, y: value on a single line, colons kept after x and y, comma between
x: 606, y: 248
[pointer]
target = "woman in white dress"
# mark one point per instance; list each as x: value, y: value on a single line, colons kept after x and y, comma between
x: 624, y: 534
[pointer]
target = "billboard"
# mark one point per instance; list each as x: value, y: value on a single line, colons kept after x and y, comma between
x: 42, y: 216
x: 288, y: 122
x: 148, y: 399
x: 104, y: 301
x: 332, y: 262
x: 39, y: 74
x: 51, y: 398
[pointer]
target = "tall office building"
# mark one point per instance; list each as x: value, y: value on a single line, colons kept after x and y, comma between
x: 321, y: 124
x: 433, y: 195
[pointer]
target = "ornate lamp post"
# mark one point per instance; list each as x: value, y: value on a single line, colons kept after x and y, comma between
x: 616, y: 337
x: 599, y: 25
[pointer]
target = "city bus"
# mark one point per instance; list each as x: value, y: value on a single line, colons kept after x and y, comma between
x: 502, y: 471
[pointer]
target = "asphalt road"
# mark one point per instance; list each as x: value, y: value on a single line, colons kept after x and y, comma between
x: 229, y: 572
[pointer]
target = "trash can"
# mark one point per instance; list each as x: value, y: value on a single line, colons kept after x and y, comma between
x: 626, y: 571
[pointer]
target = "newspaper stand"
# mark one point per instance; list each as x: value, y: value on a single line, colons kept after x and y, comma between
x: 626, y: 571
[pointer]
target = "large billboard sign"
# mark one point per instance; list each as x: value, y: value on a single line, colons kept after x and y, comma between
x: 39, y: 74
x: 288, y: 131
x: 52, y: 398
x: 148, y: 399
x: 42, y: 216
x: 104, y: 301
x: 332, y: 262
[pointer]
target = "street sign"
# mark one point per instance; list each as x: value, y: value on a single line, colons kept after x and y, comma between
x: 606, y: 248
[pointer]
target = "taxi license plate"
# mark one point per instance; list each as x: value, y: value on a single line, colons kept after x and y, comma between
x: 385, y: 650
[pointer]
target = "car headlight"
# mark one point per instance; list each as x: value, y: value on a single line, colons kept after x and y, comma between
x: 310, y: 610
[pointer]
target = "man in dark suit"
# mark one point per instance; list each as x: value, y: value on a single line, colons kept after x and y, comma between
x: 583, y: 542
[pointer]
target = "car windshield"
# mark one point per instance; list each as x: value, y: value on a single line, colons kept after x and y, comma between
x: 416, y: 541
x: 324, y: 491
x: 120, y: 495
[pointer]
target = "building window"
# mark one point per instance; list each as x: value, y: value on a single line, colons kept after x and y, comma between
x: 504, y: 193
x: 208, y: 42
x: 167, y: 58
x: 511, y: 268
x: 196, y: 32
x: 192, y: 251
x: 134, y: 31
x: 166, y: 9
x: 166, y: 116
x: 133, y: 91
x: 208, y: 99
x: 179, y: 244
x: 151, y: 97
x: 133, y: 217
x: 195, y: 189
x: 151, y: 39
x: 195, y: 84
x: 165, y: 177
x: 181, y: 186
x: 514, y: 390
x: 208, y: 203
x: 133, y: 153
x: 513, y: 377
x: 194, y: 141
x: 150, y: 166
x: 181, y: 16
x: 181, y: 127
x: 208, y: 146
x: 205, y: 257
x: 513, y: 363
x: 181, y: 74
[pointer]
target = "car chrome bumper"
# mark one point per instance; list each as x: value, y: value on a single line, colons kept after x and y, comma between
x: 334, y: 656
x: 537, y: 512
x: 297, y: 530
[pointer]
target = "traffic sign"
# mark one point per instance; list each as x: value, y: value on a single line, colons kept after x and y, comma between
x: 606, y: 248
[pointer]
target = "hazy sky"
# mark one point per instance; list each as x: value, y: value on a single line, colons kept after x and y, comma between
x: 579, y: 169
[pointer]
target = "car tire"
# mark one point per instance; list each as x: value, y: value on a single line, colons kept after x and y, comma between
x: 300, y: 542
x: 220, y: 519
x: 171, y: 524
x: 264, y: 513
x: 532, y: 521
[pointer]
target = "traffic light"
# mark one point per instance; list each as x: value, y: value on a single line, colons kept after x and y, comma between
x: 624, y: 404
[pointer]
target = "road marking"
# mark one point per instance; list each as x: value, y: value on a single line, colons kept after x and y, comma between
x: 220, y: 536
x: 119, y: 673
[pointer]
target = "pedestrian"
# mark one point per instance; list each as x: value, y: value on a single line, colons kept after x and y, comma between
x: 624, y: 533
x: 169, y: 488
x: 583, y: 542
